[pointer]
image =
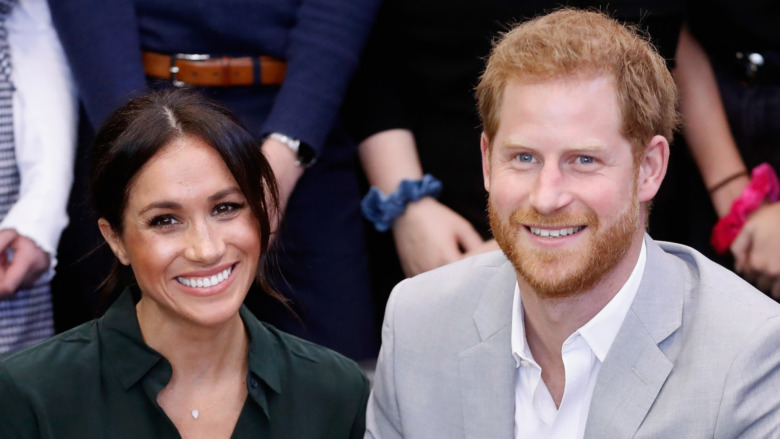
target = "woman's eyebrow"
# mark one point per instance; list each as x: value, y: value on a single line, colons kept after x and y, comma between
x: 160, y: 205
x: 224, y: 193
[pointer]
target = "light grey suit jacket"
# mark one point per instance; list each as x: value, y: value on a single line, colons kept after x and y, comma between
x: 698, y: 356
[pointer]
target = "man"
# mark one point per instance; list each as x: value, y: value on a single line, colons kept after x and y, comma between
x: 582, y: 326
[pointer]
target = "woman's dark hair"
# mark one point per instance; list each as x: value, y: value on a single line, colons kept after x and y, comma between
x: 144, y: 126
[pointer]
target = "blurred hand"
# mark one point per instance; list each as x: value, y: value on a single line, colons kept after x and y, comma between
x: 29, y: 262
x: 756, y: 249
x: 287, y: 173
x: 429, y: 235
x: 486, y: 246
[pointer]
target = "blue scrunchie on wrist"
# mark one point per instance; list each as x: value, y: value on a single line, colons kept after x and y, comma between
x: 382, y: 210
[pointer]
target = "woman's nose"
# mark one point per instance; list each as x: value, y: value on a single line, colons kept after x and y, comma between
x: 204, y: 244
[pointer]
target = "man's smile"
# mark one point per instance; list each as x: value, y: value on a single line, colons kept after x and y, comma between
x: 554, y: 233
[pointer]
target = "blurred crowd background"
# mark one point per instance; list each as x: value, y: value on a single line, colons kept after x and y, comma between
x: 377, y: 92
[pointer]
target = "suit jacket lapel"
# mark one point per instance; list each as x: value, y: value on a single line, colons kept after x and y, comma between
x: 487, y: 369
x: 636, y: 368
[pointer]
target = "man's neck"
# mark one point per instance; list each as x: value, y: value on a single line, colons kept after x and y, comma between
x: 550, y: 321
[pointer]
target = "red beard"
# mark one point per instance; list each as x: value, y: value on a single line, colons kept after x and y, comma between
x: 559, y: 273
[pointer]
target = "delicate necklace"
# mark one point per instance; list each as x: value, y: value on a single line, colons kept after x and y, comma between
x: 196, y: 413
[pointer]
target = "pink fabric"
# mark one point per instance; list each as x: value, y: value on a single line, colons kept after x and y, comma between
x: 764, y: 186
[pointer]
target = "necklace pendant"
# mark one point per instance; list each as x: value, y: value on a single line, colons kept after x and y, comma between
x: 195, y: 414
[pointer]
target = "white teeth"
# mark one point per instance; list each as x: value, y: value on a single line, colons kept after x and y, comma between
x: 203, y: 282
x: 555, y: 233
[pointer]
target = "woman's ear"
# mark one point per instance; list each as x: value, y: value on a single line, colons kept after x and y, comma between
x: 114, y: 241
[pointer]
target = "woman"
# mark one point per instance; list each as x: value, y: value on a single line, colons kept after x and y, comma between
x: 282, y: 67
x: 184, y: 196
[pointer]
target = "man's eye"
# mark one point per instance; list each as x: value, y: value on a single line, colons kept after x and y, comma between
x: 525, y: 157
x: 585, y: 160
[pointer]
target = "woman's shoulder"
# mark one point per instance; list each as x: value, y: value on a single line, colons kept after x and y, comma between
x: 36, y: 379
x: 70, y: 349
x: 304, y: 362
x: 328, y: 389
x: 303, y: 353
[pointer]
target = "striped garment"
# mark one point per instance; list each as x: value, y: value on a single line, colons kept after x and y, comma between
x: 25, y: 316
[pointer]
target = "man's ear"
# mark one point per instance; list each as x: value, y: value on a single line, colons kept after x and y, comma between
x: 484, y: 146
x: 114, y: 241
x: 652, y: 168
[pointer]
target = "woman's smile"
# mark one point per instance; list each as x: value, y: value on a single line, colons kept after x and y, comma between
x: 205, y: 281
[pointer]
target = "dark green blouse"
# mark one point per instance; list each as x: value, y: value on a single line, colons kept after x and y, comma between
x: 100, y: 380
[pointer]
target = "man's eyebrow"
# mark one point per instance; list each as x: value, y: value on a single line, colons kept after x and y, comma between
x: 509, y: 143
x: 586, y: 147
x: 581, y: 147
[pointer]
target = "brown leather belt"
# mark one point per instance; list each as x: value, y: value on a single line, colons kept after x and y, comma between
x: 205, y: 71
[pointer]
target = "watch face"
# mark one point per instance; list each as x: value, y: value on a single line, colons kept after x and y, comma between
x: 306, y: 155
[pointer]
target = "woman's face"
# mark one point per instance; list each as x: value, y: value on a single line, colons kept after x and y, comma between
x: 189, y: 236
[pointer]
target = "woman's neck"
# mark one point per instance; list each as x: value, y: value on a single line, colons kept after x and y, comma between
x: 196, y: 353
x: 207, y: 390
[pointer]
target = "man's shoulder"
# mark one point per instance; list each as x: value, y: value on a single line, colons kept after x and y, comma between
x: 440, y: 306
x: 717, y: 294
x: 707, y: 274
x: 460, y: 281
x: 718, y: 338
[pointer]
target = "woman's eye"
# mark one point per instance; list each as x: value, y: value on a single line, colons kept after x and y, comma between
x: 163, y: 221
x: 224, y: 209
x: 525, y: 157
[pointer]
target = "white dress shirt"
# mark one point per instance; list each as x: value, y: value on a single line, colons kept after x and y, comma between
x: 583, y: 352
x: 45, y: 112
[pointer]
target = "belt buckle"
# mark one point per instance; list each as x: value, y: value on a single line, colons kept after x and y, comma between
x: 174, y: 69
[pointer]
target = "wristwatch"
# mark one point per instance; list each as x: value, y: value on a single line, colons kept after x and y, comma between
x: 302, y: 151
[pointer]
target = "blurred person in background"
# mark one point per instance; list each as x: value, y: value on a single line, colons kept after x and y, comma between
x: 728, y: 69
x: 37, y: 149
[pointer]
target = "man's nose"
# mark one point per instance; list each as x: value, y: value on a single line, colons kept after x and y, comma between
x: 550, y: 191
x: 204, y: 243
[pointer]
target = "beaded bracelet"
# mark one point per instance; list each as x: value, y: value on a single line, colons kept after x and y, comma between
x: 763, y: 186
x: 382, y: 210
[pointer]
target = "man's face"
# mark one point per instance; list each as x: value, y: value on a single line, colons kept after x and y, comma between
x: 563, y: 183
